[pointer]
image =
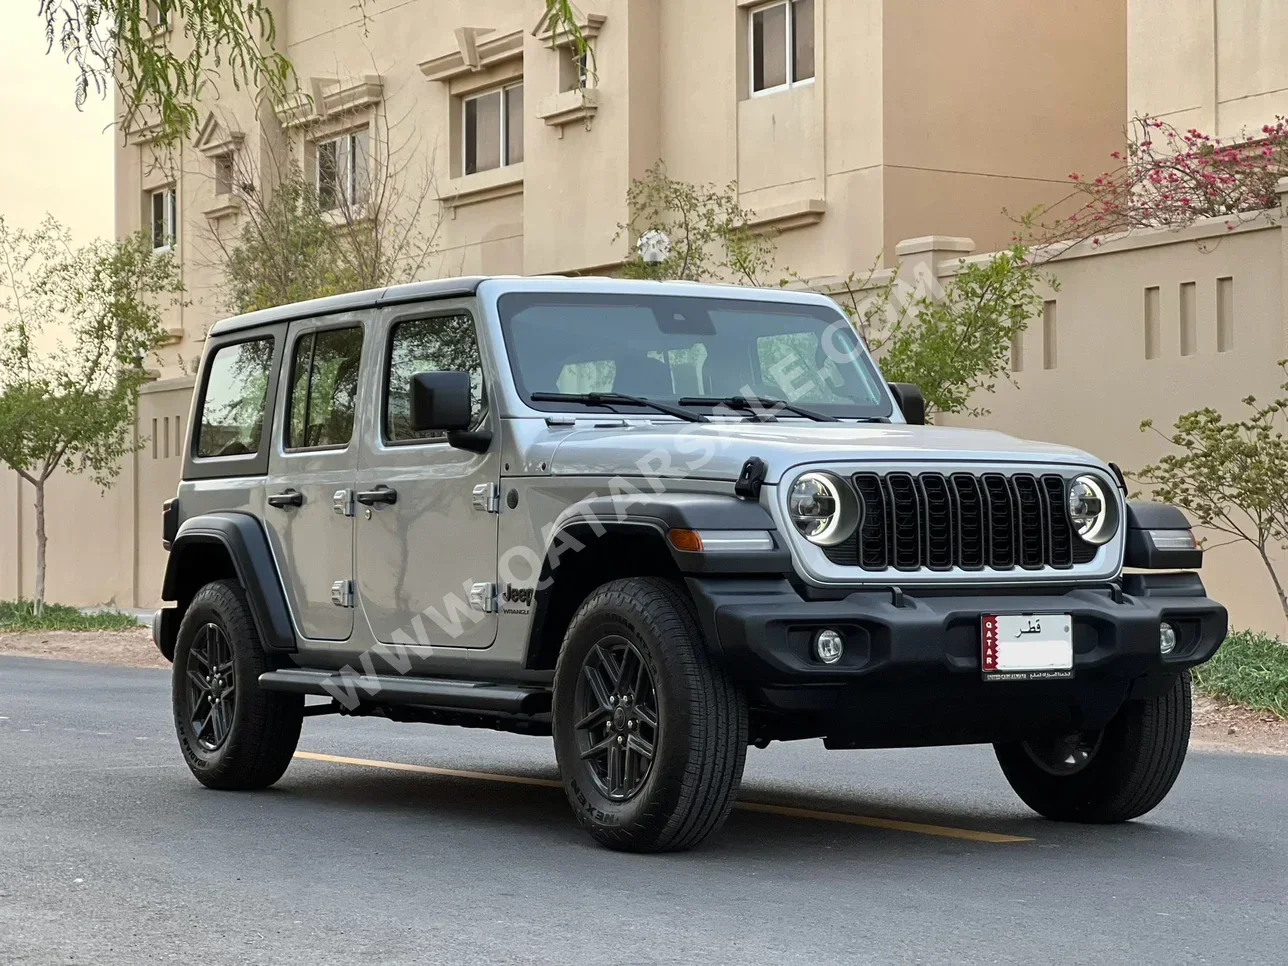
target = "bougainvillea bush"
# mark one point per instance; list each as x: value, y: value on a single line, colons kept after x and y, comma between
x: 1166, y: 178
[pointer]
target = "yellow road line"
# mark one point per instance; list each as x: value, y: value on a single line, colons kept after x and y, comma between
x: 868, y: 821
x: 893, y: 824
x: 482, y: 776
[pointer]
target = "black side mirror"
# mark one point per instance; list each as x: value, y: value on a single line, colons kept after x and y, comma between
x: 911, y: 403
x: 441, y: 401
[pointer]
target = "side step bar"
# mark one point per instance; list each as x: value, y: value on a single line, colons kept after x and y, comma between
x: 482, y: 696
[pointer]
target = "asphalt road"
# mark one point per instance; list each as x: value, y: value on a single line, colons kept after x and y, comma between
x: 111, y: 853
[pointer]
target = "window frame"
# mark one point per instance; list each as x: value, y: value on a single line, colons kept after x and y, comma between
x: 789, y: 34
x: 225, y: 162
x: 352, y: 199
x: 386, y: 366
x: 169, y: 215
x: 244, y: 464
x: 504, y: 90
x: 158, y: 17
x: 289, y: 369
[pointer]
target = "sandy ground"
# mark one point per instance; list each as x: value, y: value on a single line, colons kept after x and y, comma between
x: 1217, y: 726
x: 119, y: 648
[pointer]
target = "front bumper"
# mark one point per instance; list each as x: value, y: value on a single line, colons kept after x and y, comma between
x: 910, y: 658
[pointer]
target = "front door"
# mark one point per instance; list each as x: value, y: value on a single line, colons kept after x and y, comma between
x: 427, y: 522
x: 311, y: 475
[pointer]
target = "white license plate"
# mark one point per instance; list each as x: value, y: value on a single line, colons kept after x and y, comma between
x: 1026, y: 647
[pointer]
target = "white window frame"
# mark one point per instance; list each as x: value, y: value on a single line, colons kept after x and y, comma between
x: 790, y: 52
x: 158, y: 17
x: 169, y: 214
x: 352, y: 197
x: 504, y: 90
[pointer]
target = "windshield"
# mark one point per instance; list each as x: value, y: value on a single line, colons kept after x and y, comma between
x: 671, y: 347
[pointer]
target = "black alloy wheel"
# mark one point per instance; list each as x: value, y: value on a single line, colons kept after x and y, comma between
x: 211, y: 687
x: 617, y: 717
x: 1064, y: 754
x: 233, y: 734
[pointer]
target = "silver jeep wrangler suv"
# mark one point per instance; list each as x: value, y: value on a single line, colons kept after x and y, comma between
x: 659, y: 522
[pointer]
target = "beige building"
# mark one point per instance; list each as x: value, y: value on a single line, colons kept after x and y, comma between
x: 847, y: 125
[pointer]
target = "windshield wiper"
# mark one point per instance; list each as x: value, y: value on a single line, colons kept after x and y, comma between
x: 619, y: 399
x: 759, y: 406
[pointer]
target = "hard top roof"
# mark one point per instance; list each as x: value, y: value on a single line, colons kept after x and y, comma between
x: 468, y: 285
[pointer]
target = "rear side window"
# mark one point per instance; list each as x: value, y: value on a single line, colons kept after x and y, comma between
x: 324, y: 388
x: 444, y: 343
x: 232, y: 409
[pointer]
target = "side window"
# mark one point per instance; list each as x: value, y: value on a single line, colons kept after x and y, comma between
x: 324, y: 388
x: 232, y: 410
x: 444, y: 343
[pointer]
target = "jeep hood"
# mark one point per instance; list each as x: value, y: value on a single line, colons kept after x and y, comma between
x: 718, y: 450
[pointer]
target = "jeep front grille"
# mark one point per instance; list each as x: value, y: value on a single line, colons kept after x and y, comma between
x: 933, y: 521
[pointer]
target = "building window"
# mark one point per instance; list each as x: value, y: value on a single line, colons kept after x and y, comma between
x: 493, y: 127
x: 782, y: 45
x: 164, y: 207
x: 224, y: 174
x: 159, y: 14
x: 343, y: 171
x: 574, y: 70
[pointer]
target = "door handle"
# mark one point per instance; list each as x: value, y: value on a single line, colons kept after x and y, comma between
x: 381, y: 494
x: 286, y: 498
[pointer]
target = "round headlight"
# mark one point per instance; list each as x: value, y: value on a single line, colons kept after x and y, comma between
x: 1093, y: 514
x: 823, y: 508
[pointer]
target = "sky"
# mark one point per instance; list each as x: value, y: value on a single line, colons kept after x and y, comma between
x: 56, y: 159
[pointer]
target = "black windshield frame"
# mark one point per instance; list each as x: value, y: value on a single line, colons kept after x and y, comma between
x: 511, y: 304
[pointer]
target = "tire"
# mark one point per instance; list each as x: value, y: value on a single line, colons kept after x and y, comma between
x: 699, y: 745
x: 1132, y: 767
x: 249, y: 746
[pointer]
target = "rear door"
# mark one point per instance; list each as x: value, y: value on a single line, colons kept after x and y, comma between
x: 433, y: 536
x: 312, y: 469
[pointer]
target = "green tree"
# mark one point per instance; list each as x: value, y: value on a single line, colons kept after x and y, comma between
x: 951, y: 339
x: 1230, y: 475
x: 75, y: 327
x: 112, y: 44
x: 290, y: 248
x: 711, y: 234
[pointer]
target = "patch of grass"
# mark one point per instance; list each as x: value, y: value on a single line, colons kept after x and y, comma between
x: 20, y: 616
x: 1250, y: 670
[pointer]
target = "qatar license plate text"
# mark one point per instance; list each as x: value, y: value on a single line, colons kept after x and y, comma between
x: 1026, y: 647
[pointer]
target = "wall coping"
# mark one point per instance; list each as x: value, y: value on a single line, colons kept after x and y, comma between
x: 173, y: 384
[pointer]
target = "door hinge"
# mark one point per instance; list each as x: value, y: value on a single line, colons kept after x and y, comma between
x: 342, y: 502
x: 483, y: 598
x: 342, y: 593
x: 487, y: 497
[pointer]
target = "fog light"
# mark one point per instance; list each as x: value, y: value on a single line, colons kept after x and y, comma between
x: 829, y: 646
x: 1166, y: 638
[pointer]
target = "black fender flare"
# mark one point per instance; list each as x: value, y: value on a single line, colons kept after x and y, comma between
x: 242, y: 537
x: 663, y: 512
x: 653, y: 516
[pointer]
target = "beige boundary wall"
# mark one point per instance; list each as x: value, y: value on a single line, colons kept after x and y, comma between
x: 1146, y: 326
